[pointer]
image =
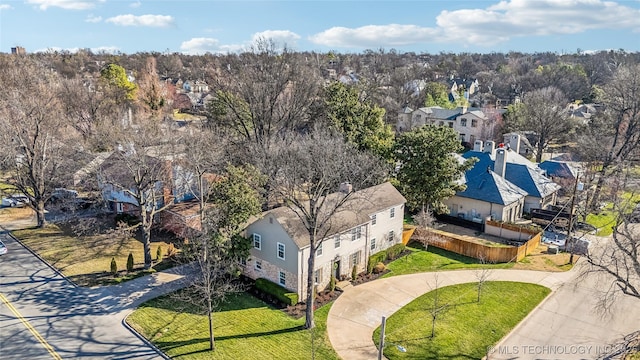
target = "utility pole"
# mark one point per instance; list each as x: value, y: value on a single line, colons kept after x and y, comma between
x: 570, y: 228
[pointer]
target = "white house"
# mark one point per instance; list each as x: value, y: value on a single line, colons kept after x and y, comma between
x: 370, y: 221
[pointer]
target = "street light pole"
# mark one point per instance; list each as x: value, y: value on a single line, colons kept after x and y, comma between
x: 573, y: 204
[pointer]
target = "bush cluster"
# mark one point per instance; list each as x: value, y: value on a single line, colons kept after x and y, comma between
x: 390, y: 254
x: 277, y: 291
x: 127, y: 219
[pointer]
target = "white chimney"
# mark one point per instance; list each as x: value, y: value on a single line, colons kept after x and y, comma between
x: 490, y: 147
x: 477, y: 145
x: 514, y: 142
x: 346, y: 187
x: 500, y: 165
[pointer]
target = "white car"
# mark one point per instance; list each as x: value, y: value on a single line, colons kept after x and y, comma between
x: 3, y: 248
x: 15, y: 201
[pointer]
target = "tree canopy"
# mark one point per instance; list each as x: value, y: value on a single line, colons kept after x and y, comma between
x: 429, y: 167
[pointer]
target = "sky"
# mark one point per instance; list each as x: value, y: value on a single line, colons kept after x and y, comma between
x: 420, y: 26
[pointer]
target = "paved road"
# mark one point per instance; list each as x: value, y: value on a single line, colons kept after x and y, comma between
x: 43, y: 316
x: 565, y: 318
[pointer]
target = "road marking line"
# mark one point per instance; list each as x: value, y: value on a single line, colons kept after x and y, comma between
x: 31, y: 329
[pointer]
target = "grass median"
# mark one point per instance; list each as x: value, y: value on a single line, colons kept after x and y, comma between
x: 244, y: 328
x: 465, y: 328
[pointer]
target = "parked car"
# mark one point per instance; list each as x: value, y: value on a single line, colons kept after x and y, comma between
x: 15, y: 201
x: 3, y: 248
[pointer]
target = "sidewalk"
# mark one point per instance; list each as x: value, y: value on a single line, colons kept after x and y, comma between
x: 359, y: 310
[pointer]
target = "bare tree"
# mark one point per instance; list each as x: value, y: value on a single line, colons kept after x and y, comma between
x: 219, y: 247
x: 482, y: 274
x: 616, y: 132
x: 264, y: 93
x: 33, y: 137
x: 309, y: 173
x: 437, y: 307
x: 141, y: 168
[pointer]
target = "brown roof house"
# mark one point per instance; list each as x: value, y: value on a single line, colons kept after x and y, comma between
x: 370, y: 221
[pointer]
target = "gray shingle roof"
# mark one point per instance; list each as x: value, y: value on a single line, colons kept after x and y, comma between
x: 356, y: 211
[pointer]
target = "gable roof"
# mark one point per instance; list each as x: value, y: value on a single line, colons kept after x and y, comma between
x: 490, y: 187
x: 357, y: 210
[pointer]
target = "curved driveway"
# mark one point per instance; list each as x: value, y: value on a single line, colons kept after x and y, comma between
x: 564, y: 319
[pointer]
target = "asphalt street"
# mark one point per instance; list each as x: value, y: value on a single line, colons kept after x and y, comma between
x: 43, y: 316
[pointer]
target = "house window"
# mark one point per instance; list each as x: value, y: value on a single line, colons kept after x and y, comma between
x: 281, y: 251
x: 474, y: 123
x: 373, y: 219
x: 461, y: 137
x: 282, y: 278
x: 463, y: 122
x: 336, y: 241
x: 373, y: 244
x: 391, y: 235
x: 353, y: 234
x: 441, y: 123
x: 243, y: 261
x: 451, y: 125
x: 392, y: 212
x: 258, y: 265
x: 319, y: 250
x: 317, y: 276
x: 354, y: 259
x: 257, y: 241
x: 358, y: 232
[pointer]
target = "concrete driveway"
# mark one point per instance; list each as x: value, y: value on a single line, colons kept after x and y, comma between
x: 565, y: 318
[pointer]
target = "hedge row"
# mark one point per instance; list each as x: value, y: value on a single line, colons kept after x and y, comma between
x: 390, y: 254
x: 277, y: 291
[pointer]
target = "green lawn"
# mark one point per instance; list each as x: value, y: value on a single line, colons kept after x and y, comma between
x: 86, y: 260
x: 245, y: 328
x: 466, y: 328
x: 434, y: 259
x: 605, y: 220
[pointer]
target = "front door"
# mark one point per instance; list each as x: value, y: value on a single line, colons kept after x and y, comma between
x: 336, y: 266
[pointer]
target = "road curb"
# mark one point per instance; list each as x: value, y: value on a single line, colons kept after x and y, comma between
x: 141, y: 337
x: 58, y: 272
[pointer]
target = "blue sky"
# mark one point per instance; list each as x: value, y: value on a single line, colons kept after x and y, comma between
x: 196, y: 27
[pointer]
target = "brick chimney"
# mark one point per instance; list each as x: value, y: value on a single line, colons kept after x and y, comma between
x: 514, y: 143
x: 500, y: 165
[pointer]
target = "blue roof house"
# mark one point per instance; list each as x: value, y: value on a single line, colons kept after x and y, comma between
x: 501, y: 185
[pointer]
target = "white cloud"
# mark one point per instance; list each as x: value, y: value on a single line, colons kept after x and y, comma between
x: 5, y: 7
x: 283, y: 37
x: 142, y: 20
x: 135, y: 4
x: 201, y: 45
x: 496, y: 23
x: 93, y: 19
x: 64, y: 4
x: 375, y: 35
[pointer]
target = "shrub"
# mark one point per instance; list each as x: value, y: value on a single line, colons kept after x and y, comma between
x: 114, y: 267
x: 277, y: 291
x: 380, y: 267
x: 395, y: 251
x: 332, y: 283
x: 374, y: 259
x: 159, y: 253
x: 127, y: 219
x: 354, y: 272
x: 130, y: 263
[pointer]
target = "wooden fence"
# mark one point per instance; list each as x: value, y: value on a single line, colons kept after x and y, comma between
x: 473, y: 247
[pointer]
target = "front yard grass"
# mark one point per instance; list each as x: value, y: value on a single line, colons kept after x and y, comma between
x: 244, y: 328
x: 467, y: 328
x: 86, y: 260
x: 435, y: 259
